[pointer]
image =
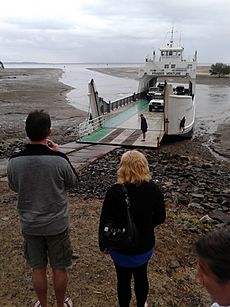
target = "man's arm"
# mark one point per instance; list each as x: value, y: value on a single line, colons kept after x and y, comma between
x: 10, y: 178
x: 71, y: 177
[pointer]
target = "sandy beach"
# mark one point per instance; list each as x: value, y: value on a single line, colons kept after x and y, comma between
x: 24, y: 90
x: 194, y: 181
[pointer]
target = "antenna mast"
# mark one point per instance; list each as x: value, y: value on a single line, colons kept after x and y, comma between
x: 171, y: 40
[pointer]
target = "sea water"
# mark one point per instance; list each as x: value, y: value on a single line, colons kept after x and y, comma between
x: 108, y: 87
x: 212, y: 101
x: 212, y: 106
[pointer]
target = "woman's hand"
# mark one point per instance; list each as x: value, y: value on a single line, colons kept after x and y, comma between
x: 105, y: 251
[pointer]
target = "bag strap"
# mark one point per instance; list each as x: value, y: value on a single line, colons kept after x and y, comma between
x: 127, y: 200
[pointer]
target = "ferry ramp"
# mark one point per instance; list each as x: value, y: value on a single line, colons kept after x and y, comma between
x: 122, y: 127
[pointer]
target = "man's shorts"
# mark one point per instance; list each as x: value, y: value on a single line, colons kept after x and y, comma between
x: 57, y: 248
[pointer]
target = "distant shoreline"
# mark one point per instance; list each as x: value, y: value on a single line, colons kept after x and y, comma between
x: 202, y: 77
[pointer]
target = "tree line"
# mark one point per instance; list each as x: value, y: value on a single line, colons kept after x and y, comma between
x: 220, y: 69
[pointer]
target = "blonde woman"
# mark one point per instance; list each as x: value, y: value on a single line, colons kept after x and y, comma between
x: 148, y: 211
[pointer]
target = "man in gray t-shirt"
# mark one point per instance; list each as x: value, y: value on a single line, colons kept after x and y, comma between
x: 41, y: 176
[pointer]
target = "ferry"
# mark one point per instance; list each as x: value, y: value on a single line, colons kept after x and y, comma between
x: 165, y: 96
x: 177, y: 94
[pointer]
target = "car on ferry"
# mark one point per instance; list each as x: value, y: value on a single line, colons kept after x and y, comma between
x: 157, y: 102
x: 159, y: 88
x: 152, y: 91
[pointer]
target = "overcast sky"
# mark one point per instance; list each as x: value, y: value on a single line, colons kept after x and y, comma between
x: 112, y: 30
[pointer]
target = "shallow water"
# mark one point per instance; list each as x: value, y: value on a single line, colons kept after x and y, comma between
x: 212, y: 106
x: 212, y: 102
x: 108, y: 87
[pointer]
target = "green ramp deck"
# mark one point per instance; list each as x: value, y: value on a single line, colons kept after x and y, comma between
x: 122, y: 127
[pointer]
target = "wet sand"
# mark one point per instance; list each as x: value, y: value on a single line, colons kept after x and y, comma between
x: 24, y: 90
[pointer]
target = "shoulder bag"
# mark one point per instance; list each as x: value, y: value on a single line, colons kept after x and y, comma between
x: 121, y: 238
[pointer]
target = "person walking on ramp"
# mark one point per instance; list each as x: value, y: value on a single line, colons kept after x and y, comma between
x: 40, y: 175
x: 144, y: 126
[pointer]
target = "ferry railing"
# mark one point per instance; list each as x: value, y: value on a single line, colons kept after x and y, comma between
x: 107, y: 107
x: 89, y: 126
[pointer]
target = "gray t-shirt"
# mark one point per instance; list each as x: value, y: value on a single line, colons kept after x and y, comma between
x: 41, y: 178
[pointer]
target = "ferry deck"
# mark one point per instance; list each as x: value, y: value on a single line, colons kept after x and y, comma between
x: 122, y: 127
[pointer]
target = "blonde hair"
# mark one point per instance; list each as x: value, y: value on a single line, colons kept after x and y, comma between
x: 133, y: 168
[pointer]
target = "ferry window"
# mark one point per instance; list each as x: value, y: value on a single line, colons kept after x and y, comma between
x: 166, y: 66
x: 173, y: 66
x: 162, y: 53
x: 170, y: 52
x: 189, y: 66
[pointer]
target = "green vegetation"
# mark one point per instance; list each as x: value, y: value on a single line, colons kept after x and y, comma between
x: 220, y: 69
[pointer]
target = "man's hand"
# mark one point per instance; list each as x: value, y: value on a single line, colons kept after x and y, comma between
x: 52, y: 145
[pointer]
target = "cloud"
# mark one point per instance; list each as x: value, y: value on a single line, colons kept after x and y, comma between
x: 30, y: 23
x: 111, y: 31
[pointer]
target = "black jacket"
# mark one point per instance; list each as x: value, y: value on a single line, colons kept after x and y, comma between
x: 147, y: 208
x: 144, y: 125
